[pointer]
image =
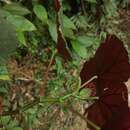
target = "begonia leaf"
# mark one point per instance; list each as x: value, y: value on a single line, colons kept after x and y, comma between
x: 111, y: 65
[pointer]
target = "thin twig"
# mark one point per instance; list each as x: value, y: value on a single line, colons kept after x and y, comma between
x: 42, y: 89
x: 90, y: 80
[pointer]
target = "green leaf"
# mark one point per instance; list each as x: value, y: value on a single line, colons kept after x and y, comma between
x: 53, y: 30
x: 4, y: 77
x: 79, y: 48
x: 68, y: 33
x: 67, y: 23
x: 16, y: 9
x: 41, y: 13
x: 21, y: 23
x: 4, y: 73
x: 8, y: 39
x: 4, y: 13
x: 21, y: 38
x: 87, y: 41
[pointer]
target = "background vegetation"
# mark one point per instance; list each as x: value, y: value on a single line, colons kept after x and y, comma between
x: 38, y: 89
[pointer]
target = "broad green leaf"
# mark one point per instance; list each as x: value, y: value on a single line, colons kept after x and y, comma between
x: 21, y: 23
x: 87, y: 41
x: 41, y: 13
x: 21, y: 37
x: 53, y: 30
x: 67, y: 23
x: 16, y: 9
x: 8, y: 39
x: 79, y: 48
x: 4, y: 13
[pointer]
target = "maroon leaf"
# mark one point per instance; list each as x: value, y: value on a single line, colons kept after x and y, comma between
x: 62, y: 47
x: 111, y: 65
x: 61, y: 41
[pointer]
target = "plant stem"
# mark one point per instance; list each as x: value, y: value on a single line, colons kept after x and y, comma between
x: 83, y: 118
x: 42, y: 89
x: 83, y: 7
x: 87, y: 82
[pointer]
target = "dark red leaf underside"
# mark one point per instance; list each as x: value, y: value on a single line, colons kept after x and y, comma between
x: 111, y: 65
x: 61, y: 42
x: 57, y: 5
x: 62, y: 48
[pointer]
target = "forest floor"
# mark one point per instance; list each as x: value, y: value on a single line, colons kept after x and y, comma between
x: 25, y: 72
